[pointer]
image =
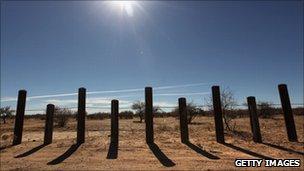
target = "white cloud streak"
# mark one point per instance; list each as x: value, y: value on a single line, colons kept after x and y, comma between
x: 181, y: 86
x: 181, y: 94
x: 8, y: 99
x: 89, y: 101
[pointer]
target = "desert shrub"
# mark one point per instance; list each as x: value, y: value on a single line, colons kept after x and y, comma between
x: 298, y: 111
x: 126, y: 114
x: 265, y: 109
x: 228, y: 104
x: 192, y: 112
x: 5, y: 112
x: 161, y: 114
x: 241, y: 113
x: 61, y: 116
x: 99, y: 115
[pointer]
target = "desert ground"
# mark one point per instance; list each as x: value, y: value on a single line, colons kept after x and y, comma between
x: 168, y: 153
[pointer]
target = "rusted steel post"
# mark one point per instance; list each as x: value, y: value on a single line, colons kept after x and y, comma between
x: 254, y: 120
x: 183, y: 120
x: 288, y: 116
x: 114, y: 121
x: 19, y: 120
x: 217, y: 109
x: 48, y: 130
x: 149, y: 115
x: 81, y: 115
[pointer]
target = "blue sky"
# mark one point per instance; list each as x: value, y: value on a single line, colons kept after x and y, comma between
x: 51, y: 48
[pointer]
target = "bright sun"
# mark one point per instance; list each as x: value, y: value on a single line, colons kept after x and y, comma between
x: 126, y: 6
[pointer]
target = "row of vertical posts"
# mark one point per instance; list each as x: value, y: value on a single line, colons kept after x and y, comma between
x: 48, y: 131
x: 287, y: 111
x: 284, y: 96
x: 254, y: 121
x: 218, y: 118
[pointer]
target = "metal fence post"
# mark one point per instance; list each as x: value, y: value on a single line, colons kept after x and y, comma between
x: 149, y: 115
x: 288, y: 116
x: 19, y: 120
x: 114, y: 121
x: 254, y: 120
x: 48, y: 130
x: 183, y: 120
x: 81, y: 115
x: 217, y: 108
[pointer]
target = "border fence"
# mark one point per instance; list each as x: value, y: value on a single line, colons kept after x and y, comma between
x: 182, y: 110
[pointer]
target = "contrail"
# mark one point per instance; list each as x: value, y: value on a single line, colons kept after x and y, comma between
x: 54, y: 95
x: 181, y: 94
x: 8, y: 99
x: 180, y: 86
x: 115, y: 91
x: 105, y: 92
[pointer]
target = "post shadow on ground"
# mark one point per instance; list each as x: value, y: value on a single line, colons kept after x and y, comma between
x: 163, y: 159
x: 200, y: 151
x: 5, y: 147
x: 35, y: 149
x: 113, y: 151
x: 246, y: 151
x: 196, y: 123
x: 65, y: 155
x: 283, y: 148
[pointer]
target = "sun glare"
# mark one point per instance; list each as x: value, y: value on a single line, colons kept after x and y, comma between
x: 125, y: 6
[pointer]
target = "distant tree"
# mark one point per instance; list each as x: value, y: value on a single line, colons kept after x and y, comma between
x: 5, y: 112
x: 139, y: 108
x: 61, y: 116
x: 228, y: 104
x: 265, y: 109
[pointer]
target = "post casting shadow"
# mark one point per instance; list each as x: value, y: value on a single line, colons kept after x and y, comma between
x: 246, y: 151
x: 65, y: 155
x: 31, y: 151
x: 163, y: 159
x: 283, y: 148
x: 113, y: 151
x: 201, y: 151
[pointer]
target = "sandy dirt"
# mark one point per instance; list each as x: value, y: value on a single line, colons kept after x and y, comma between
x: 168, y: 153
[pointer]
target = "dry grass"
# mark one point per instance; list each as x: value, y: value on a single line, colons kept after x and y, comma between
x: 134, y: 153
